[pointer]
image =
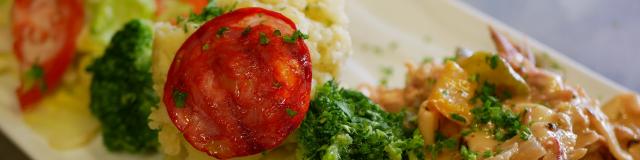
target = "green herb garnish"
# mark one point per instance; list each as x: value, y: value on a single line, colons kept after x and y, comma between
x: 458, y: 117
x: 291, y: 112
x: 277, y: 33
x: 345, y: 124
x: 467, y: 154
x: 442, y: 143
x: 246, y: 31
x: 35, y: 75
x: 487, y: 154
x: 221, y: 31
x: 426, y: 60
x: 505, y: 123
x: 295, y: 36
x: 263, y: 39
x: 386, y: 74
x: 205, y: 46
x: 179, y: 98
x: 493, y: 61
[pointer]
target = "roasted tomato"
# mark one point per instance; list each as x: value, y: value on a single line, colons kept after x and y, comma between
x: 240, y: 84
x: 45, y: 33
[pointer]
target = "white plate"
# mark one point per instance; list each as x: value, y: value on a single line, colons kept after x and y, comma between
x: 419, y: 28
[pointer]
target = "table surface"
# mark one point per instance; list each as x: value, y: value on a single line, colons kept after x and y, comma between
x: 602, y: 35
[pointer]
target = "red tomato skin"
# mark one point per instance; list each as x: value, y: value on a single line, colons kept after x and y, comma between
x: 55, y: 66
x: 233, y: 107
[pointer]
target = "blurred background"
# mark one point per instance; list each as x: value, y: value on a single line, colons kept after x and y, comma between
x: 602, y: 35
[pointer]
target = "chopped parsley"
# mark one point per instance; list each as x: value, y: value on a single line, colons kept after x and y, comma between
x: 246, y: 31
x: 208, y: 12
x: 441, y: 143
x: 185, y: 28
x: 205, y: 46
x: 381, y: 49
x: 468, y: 154
x: 35, y: 72
x: 345, y: 124
x: 277, y: 84
x: 263, y: 39
x: 505, y: 123
x: 179, y: 98
x: 426, y: 60
x: 36, y: 75
x: 487, y: 154
x: 467, y: 131
x: 451, y: 58
x: 179, y: 19
x: 221, y: 31
x: 277, y: 33
x: 474, y: 78
x: 458, y: 117
x: 295, y: 36
x: 291, y: 112
x: 432, y: 80
x: 386, y: 74
x: 493, y: 61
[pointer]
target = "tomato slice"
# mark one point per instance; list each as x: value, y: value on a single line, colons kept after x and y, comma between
x: 45, y: 33
x: 239, y: 85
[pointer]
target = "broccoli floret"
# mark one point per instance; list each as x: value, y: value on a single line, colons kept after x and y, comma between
x: 345, y: 124
x: 121, y: 90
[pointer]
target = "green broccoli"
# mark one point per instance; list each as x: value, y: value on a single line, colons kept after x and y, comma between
x: 345, y: 124
x: 121, y: 90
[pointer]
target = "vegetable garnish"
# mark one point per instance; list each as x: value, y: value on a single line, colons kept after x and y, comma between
x: 291, y: 112
x: 387, y: 72
x: 221, y: 31
x: 244, y: 94
x: 179, y: 98
x: 205, y: 47
x: 345, y: 124
x: 487, y: 154
x: 44, y: 36
x: 467, y: 154
x: 505, y: 124
x: 35, y: 77
x: 295, y: 36
x: 246, y: 31
x: 208, y: 12
x: 263, y: 39
x: 441, y: 144
x: 122, y: 95
x: 277, y: 32
x: 457, y: 117
x: 493, y: 61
